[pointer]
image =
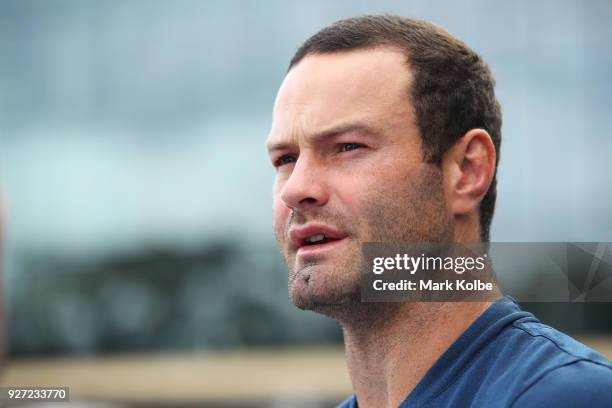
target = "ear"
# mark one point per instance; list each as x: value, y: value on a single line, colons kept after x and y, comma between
x: 468, y: 168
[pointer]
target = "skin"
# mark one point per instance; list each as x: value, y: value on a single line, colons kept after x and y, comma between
x: 348, y: 154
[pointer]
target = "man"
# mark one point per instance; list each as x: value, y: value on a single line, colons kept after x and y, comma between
x: 387, y: 129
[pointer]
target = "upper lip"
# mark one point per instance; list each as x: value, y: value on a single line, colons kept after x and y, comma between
x: 298, y: 235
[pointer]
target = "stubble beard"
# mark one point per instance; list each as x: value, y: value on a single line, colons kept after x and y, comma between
x: 314, y: 282
x: 335, y: 290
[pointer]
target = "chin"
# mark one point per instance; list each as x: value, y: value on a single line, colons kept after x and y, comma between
x: 321, y: 291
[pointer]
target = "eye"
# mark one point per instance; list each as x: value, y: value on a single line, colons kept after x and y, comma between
x: 285, y: 159
x: 345, y: 147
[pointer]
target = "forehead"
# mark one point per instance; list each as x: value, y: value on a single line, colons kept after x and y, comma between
x: 324, y: 90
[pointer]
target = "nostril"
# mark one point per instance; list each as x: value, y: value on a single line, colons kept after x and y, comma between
x: 308, y: 200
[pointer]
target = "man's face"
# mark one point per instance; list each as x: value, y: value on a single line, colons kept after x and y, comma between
x: 349, y: 165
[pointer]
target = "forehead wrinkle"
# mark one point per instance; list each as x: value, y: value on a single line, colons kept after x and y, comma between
x: 329, y: 132
x: 286, y: 140
x: 305, y: 110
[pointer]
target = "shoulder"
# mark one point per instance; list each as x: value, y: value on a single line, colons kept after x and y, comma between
x: 543, y: 348
x: 556, y: 368
x: 575, y: 384
x: 528, y: 363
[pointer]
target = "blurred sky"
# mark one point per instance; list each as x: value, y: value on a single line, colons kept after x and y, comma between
x: 132, y: 123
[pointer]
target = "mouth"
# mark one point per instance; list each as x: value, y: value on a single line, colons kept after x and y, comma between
x: 318, y: 241
x: 315, y: 238
x: 319, y: 247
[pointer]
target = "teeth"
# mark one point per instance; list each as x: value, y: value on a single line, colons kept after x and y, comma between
x: 315, y: 238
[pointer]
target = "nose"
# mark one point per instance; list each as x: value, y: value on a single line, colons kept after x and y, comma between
x: 306, y: 186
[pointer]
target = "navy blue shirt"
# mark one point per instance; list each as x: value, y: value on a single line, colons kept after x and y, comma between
x: 508, y: 358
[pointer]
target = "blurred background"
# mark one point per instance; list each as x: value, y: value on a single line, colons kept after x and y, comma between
x: 140, y: 268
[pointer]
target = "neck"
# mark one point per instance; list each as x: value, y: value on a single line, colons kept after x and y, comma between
x: 391, y: 346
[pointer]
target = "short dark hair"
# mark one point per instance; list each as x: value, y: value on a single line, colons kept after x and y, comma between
x: 452, y: 91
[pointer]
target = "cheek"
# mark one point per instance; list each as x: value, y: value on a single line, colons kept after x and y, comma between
x: 353, y: 193
x: 363, y: 188
x: 374, y: 190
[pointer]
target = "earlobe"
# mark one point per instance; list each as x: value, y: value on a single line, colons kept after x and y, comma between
x: 469, y: 169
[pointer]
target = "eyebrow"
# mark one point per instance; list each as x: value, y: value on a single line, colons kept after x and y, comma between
x: 328, y: 133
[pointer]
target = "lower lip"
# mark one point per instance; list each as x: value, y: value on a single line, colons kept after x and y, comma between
x: 318, y: 249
